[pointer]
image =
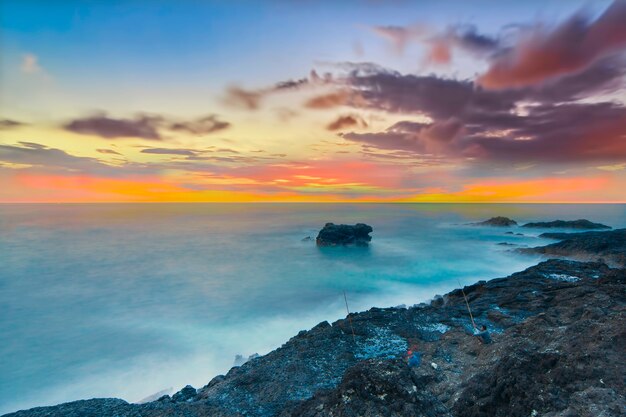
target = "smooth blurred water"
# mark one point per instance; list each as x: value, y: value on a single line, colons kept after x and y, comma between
x: 126, y: 300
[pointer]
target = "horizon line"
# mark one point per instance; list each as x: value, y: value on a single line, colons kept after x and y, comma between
x: 310, y: 202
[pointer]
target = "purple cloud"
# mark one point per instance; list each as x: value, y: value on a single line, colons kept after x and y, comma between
x: 149, y: 127
x: 142, y: 126
x: 544, y: 53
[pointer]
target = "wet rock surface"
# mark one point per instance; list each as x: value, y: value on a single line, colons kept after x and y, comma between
x: 558, y: 330
x: 607, y: 246
x: 497, y: 221
x: 569, y: 224
x: 344, y: 234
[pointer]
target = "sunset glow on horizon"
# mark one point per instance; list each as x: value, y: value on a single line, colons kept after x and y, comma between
x: 261, y: 101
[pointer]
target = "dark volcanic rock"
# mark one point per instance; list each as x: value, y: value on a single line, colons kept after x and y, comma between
x: 569, y: 224
x: 609, y: 246
x: 344, y: 234
x: 373, y: 387
x: 497, y: 221
x: 185, y: 394
x: 95, y: 407
x: 558, y: 330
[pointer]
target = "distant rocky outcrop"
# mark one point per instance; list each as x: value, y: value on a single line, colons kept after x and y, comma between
x: 607, y: 246
x: 569, y: 224
x: 558, y: 331
x: 344, y: 234
x: 499, y: 221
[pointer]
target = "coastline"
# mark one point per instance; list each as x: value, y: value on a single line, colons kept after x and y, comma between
x: 314, y: 371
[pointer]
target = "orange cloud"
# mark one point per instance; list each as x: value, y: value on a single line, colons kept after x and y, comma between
x: 329, y: 171
x: 439, y: 52
x: 569, y: 48
x: 350, y: 120
x: 311, y: 181
x: 330, y: 100
x: 573, y: 189
x: 306, y: 184
x: 84, y: 189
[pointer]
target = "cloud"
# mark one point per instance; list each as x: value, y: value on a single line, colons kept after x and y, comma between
x: 604, y: 76
x: 575, y: 132
x: 329, y: 100
x: 142, y: 126
x: 401, y: 136
x: 420, y: 138
x: 439, y: 52
x: 10, y: 124
x: 458, y: 120
x: 285, y: 114
x: 149, y: 127
x: 559, y: 134
x: 38, y: 155
x: 30, y: 64
x: 170, y: 151
x: 200, y: 126
x: 463, y: 37
x: 430, y: 95
x: 439, y: 45
x: 468, y: 38
x: 108, y: 151
x: 291, y: 84
x: 399, y: 36
x: 251, y: 99
x: 242, y: 98
x: 51, y: 167
x: 343, y: 122
x: 548, y: 188
x: 544, y: 53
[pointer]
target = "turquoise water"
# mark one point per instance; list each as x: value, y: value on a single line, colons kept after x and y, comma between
x: 128, y: 300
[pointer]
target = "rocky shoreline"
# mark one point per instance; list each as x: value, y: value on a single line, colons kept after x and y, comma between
x: 558, y: 331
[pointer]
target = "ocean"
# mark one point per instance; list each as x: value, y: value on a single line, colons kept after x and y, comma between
x: 129, y: 300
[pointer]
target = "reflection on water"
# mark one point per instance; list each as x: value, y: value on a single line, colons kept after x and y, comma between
x: 129, y: 299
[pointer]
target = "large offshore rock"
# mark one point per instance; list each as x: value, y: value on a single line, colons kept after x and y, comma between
x: 498, y: 221
x: 344, y: 234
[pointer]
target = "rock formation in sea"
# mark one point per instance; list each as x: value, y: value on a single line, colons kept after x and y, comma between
x: 609, y: 247
x: 569, y: 224
x: 558, y: 333
x: 497, y: 221
x: 344, y: 234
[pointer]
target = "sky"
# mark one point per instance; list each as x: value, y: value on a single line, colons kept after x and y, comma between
x: 312, y: 101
